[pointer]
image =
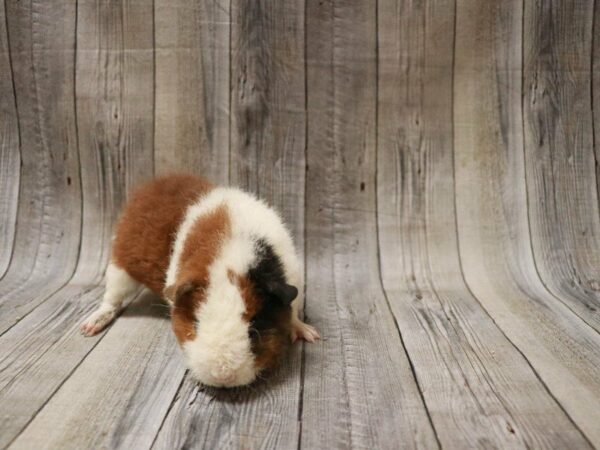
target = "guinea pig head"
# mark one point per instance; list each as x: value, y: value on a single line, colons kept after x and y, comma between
x: 237, y: 323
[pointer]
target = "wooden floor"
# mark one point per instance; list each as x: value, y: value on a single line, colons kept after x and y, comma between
x: 436, y: 161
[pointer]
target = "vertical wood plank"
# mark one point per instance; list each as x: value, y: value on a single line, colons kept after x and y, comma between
x: 48, y: 220
x: 358, y: 387
x: 267, y: 158
x: 595, y: 76
x: 471, y: 376
x: 494, y: 234
x: 192, y: 87
x: 268, y: 101
x: 560, y: 160
x: 114, y: 104
x: 10, y: 157
x: 114, y: 95
x: 48, y: 225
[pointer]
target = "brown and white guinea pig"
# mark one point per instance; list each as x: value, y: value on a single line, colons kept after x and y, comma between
x: 225, y: 263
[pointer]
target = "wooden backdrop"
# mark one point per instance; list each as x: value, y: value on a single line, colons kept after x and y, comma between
x: 436, y: 161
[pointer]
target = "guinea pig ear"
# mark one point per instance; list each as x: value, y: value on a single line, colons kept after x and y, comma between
x: 283, y: 291
x: 175, y: 292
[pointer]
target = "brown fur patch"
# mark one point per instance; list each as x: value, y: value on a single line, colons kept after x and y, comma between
x: 183, y: 318
x: 271, y: 345
x: 148, y: 224
x: 201, y: 247
x: 271, y: 349
x: 248, y: 294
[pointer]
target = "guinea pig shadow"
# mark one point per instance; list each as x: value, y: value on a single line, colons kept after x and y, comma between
x: 287, y: 372
x: 146, y: 304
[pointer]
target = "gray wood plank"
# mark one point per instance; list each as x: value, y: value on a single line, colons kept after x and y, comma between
x: 471, y: 376
x: 114, y: 100
x: 509, y: 359
x: 114, y: 92
x: 268, y: 105
x: 494, y: 234
x: 9, y: 150
x: 267, y: 157
x: 120, y: 393
x: 595, y: 87
x: 254, y: 417
x: 40, y: 352
x: 559, y: 155
x: 192, y: 87
x: 359, y: 391
x: 48, y: 220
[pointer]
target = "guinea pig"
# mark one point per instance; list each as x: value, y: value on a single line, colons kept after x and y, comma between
x: 224, y: 262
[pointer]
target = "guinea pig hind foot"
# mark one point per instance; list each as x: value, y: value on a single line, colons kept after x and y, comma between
x: 301, y: 330
x: 98, y: 320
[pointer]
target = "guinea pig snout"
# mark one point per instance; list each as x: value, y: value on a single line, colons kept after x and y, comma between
x: 223, y: 376
x: 219, y: 368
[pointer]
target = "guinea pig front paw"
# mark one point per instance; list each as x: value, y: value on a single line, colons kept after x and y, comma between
x: 301, y: 330
x: 97, y: 321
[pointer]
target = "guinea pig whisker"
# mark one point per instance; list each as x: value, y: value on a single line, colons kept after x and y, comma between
x: 161, y: 305
x: 261, y: 377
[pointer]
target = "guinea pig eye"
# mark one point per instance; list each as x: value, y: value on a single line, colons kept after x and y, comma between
x: 253, y: 332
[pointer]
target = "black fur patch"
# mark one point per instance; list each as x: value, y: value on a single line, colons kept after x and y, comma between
x: 266, y: 273
x: 267, y: 270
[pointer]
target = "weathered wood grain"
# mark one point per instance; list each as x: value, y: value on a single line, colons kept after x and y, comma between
x: 10, y: 158
x: 559, y: 154
x: 471, y: 376
x: 359, y: 391
x: 39, y: 354
x: 255, y: 417
x: 48, y: 225
x: 267, y: 154
x: 114, y: 95
x: 375, y: 104
x: 120, y: 393
x: 595, y: 87
x: 268, y: 105
x: 192, y: 87
x: 494, y: 234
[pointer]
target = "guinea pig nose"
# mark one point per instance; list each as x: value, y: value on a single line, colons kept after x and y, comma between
x: 229, y: 378
x: 224, y: 376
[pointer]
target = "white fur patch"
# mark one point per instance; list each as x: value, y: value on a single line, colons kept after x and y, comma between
x: 221, y: 354
x: 119, y: 286
x: 249, y: 217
